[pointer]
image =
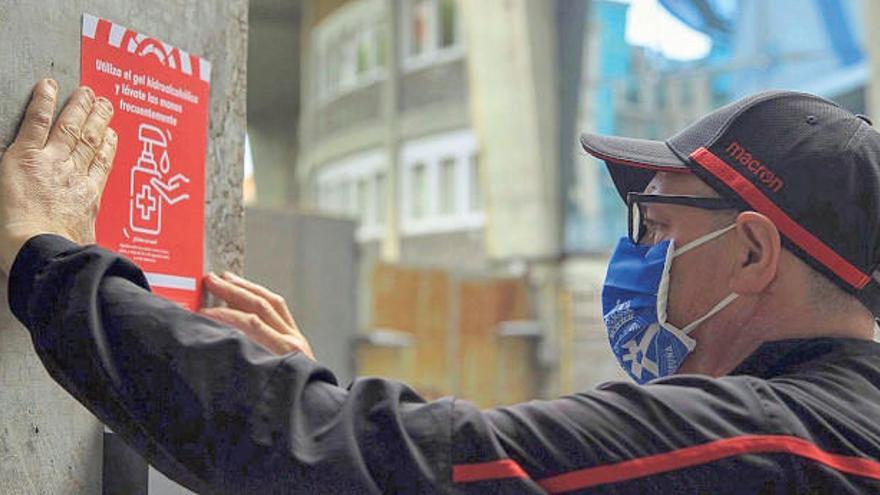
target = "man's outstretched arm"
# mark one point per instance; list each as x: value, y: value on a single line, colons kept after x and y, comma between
x: 206, y: 405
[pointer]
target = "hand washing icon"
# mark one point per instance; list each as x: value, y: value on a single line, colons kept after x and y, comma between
x: 149, y: 188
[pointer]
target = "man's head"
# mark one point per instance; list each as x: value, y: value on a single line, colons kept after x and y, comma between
x: 803, y: 179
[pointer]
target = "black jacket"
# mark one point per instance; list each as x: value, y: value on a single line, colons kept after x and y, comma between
x: 221, y: 415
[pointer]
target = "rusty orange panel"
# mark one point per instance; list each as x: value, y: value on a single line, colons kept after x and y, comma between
x: 417, y: 302
x: 512, y: 300
x: 432, y: 332
x: 477, y: 350
x: 394, y: 297
x: 483, y: 305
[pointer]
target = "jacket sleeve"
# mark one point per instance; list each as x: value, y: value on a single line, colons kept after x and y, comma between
x: 205, y: 405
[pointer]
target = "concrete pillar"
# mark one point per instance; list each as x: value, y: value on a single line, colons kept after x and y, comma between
x: 871, y: 11
x: 48, y: 442
x: 390, y: 251
x: 273, y: 100
x: 511, y: 46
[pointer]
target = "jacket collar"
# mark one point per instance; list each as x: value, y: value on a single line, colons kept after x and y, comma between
x: 779, y: 357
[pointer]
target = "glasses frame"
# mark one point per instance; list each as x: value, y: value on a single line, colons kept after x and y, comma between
x: 635, y: 225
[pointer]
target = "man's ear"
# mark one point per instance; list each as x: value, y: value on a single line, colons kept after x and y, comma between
x: 758, y: 251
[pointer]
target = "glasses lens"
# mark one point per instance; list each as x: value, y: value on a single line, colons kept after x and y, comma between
x: 636, y: 228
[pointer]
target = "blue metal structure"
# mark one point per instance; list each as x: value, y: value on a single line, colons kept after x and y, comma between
x: 807, y: 45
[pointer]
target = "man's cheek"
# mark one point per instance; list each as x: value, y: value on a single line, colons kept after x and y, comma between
x: 682, y: 297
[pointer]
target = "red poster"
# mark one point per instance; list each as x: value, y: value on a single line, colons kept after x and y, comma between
x: 152, y: 211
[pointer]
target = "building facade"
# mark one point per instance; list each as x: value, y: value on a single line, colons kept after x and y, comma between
x: 436, y: 124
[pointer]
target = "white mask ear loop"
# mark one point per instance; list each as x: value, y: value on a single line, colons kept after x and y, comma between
x: 703, y: 240
x: 718, y: 307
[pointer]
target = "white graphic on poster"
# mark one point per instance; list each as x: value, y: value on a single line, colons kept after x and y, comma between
x: 151, y: 186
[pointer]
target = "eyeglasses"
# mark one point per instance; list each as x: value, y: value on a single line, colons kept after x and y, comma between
x: 637, y: 228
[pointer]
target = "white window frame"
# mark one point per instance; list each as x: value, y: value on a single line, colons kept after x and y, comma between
x: 434, y: 54
x: 339, y: 179
x: 459, y: 145
x: 337, y: 37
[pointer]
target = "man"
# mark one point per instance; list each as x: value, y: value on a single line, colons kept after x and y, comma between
x: 743, y: 298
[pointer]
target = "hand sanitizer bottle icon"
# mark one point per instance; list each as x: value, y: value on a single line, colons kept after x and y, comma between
x: 145, y: 203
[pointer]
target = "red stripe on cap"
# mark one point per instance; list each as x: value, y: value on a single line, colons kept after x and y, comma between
x: 703, y: 454
x: 646, y: 166
x: 483, y: 471
x: 797, y: 234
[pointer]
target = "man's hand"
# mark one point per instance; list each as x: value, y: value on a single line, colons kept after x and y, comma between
x: 258, y: 312
x: 52, y: 177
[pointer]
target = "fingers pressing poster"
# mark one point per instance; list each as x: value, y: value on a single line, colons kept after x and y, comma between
x: 152, y: 210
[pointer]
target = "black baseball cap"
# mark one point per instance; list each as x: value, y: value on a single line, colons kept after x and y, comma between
x: 809, y: 165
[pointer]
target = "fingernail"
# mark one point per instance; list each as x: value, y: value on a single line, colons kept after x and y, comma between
x: 89, y: 92
x: 52, y: 85
x: 229, y: 275
x: 105, y: 104
x: 212, y: 277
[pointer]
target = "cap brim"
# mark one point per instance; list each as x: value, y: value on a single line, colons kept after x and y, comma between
x: 632, y: 162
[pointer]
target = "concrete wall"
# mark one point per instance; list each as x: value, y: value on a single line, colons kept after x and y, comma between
x: 48, y: 443
x: 311, y: 261
x: 463, y: 251
x: 441, y: 84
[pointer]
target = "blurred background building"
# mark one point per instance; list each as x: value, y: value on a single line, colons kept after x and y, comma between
x: 418, y: 162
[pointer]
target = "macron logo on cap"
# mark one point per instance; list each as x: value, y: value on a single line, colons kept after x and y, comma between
x: 753, y: 165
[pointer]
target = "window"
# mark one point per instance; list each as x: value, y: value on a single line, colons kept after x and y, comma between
x: 662, y: 88
x: 420, y: 191
x: 365, y: 53
x: 355, y: 187
x: 441, y: 189
x: 345, y: 200
x: 382, y: 46
x: 446, y: 194
x: 632, y: 92
x: 448, y: 23
x: 350, y: 48
x: 362, y: 201
x: 475, y: 196
x: 432, y: 32
x: 419, y: 29
x: 379, y: 199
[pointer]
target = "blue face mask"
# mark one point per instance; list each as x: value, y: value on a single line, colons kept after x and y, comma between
x: 634, y: 307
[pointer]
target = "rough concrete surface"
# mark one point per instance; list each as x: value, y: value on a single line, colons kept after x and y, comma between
x: 48, y: 443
